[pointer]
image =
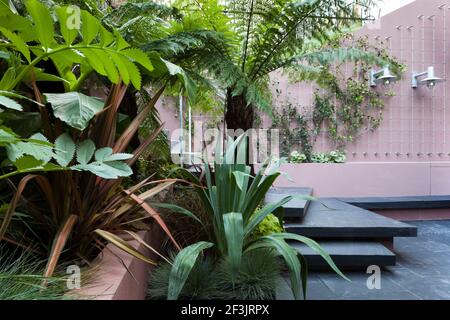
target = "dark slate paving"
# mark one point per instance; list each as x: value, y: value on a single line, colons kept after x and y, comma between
x: 409, y: 202
x: 294, y: 209
x: 347, y: 254
x: 422, y: 271
x: 328, y: 217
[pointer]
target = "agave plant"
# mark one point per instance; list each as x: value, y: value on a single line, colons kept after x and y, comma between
x: 231, y: 196
x: 68, y: 212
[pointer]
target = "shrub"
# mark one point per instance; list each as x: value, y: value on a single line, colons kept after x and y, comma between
x: 297, y: 157
x: 257, y: 279
x: 270, y: 224
x: 321, y: 157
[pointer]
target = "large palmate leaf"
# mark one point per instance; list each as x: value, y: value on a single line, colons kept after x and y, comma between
x: 74, y: 108
x: 182, y: 266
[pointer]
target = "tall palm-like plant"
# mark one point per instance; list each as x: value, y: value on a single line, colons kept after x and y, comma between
x: 240, y: 42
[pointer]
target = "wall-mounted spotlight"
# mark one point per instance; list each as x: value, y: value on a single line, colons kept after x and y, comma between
x: 383, y: 76
x: 430, y: 79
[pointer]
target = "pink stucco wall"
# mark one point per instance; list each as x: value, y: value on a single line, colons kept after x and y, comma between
x: 416, y: 122
x: 409, y: 154
x: 369, y: 179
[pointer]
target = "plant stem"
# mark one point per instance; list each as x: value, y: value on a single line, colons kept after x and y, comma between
x: 14, y: 173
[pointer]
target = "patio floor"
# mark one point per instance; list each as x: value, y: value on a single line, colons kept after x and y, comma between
x: 422, y: 271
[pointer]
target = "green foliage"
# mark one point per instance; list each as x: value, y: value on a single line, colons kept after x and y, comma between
x: 258, y: 278
x: 231, y: 198
x: 10, y: 103
x: 346, y: 105
x: 21, y: 279
x: 70, y: 214
x: 36, y: 155
x: 334, y: 156
x: 297, y: 157
x: 262, y: 36
x: 199, y: 284
x: 294, y: 131
x: 74, y: 108
x: 270, y: 224
x: 329, y: 157
x: 182, y: 266
x: 86, y: 45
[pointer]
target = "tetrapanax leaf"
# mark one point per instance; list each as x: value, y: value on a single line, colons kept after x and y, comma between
x: 74, y: 108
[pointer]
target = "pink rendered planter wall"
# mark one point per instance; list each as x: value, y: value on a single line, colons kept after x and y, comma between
x: 365, y: 179
x: 120, y: 276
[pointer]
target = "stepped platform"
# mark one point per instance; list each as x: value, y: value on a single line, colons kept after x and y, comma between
x: 332, y: 218
x: 348, y: 254
x: 409, y: 202
x: 297, y: 207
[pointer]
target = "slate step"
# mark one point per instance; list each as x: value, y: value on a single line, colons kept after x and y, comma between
x: 331, y: 218
x: 407, y: 202
x: 346, y: 254
x: 294, y: 209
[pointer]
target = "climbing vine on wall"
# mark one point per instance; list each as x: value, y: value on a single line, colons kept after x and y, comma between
x: 294, y: 132
x: 344, y: 104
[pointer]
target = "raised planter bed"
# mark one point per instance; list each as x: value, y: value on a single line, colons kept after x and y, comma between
x: 369, y: 179
x: 120, y: 276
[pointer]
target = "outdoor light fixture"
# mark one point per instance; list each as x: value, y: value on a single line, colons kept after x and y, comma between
x: 430, y: 79
x: 383, y: 76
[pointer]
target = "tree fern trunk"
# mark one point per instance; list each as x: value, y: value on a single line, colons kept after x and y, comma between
x: 238, y: 114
